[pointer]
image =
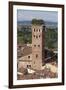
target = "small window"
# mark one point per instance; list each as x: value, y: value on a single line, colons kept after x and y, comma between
x: 39, y: 36
x: 28, y: 66
x: 39, y: 30
x: 36, y: 55
x: 28, y: 56
x: 34, y: 45
x: 34, y: 30
x: 38, y: 45
x: 36, y: 36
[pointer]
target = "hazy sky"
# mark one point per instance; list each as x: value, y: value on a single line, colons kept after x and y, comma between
x: 30, y: 14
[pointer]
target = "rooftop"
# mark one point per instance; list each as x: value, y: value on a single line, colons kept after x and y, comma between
x: 27, y: 50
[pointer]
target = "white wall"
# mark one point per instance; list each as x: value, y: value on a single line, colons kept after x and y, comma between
x: 4, y: 44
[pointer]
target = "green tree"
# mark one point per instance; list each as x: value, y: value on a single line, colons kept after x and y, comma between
x: 37, y: 21
x: 51, y: 38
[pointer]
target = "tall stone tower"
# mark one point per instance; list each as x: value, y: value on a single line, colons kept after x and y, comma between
x: 38, y: 29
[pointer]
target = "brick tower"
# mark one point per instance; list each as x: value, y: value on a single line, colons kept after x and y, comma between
x: 37, y: 45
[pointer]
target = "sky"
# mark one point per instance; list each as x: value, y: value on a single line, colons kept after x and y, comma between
x: 23, y: 15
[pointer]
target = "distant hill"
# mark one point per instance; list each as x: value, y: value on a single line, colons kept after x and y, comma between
x: 24, y: 22
x: 47, y: 23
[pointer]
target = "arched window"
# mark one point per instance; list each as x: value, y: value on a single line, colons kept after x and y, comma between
x: 36, y: 55
x: 39, y: 36
x: 37, y: 30
x: 34, y: 45
x: 36, y: 36
x: 28, y: 66
x: 38, y: 45
x: 34, y: 29
x: 28, y: 56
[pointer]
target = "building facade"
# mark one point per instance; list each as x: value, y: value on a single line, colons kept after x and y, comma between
x: 37, y: 46
x: 33, y: 55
